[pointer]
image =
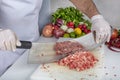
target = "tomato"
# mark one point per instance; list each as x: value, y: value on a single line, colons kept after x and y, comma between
x: 70, y: 24
x: 114, y: 34
x: 80, y: 26
x: 87, y: 31
x: 83, y: 27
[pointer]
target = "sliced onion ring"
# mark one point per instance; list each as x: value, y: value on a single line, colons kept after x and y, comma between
x: 114, y: 49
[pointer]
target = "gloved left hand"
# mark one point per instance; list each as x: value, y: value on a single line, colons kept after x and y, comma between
x: 8, y: 40
x: 101, y: 28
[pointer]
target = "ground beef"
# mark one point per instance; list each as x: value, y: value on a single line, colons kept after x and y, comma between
x: 67, y: 47
x: 80, y: 60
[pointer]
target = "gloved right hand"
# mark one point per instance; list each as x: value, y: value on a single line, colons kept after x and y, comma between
x: 8, y: 40
x: 101, y: 29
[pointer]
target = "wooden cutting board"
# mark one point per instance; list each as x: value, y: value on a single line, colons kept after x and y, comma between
x: 53, y: 71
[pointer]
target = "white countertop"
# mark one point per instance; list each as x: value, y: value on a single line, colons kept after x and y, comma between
x: 20, y: 70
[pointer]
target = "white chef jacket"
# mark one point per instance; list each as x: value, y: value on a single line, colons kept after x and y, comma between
x: 22, y: 17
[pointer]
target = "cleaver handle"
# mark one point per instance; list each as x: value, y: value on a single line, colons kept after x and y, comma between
x: 25, y: 45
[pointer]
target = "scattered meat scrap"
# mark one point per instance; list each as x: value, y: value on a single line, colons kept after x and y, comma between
x: 115, y: 75
x: 106, y: 73
x: 113, y: 67
x: 43, y: 66
x: 105, y: 67
x: 83, y: 79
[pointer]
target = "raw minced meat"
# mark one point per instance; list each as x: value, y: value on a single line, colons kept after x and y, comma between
x: 66, y: 47
x: 80, y: 59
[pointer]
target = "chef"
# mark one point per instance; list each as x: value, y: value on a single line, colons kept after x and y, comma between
x: 19, y: 21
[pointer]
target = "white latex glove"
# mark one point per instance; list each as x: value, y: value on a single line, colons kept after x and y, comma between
x: 101, y: 28
x: 8, y: 40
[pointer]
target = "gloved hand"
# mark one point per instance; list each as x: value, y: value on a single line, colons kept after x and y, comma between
x: 101, y: 29
x: 8, y: 40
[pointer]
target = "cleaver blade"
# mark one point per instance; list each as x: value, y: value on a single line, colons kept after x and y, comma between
x: 41, y: 53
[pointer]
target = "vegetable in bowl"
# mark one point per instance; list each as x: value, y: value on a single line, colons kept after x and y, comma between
x: 71, y: 21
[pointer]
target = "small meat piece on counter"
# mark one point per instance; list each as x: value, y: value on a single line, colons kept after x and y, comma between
x: 67, y: 47
x: 80, y: 60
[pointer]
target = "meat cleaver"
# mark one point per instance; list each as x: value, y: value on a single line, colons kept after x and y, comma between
x: 40, y: 52
x: 43, y: 52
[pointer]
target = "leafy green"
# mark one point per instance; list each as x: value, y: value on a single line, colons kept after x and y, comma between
x: 88, y: 24
x: 70, y: 14
x: 119, y: 32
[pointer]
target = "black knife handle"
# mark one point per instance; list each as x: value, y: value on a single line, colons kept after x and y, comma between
x: 25, y: 45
